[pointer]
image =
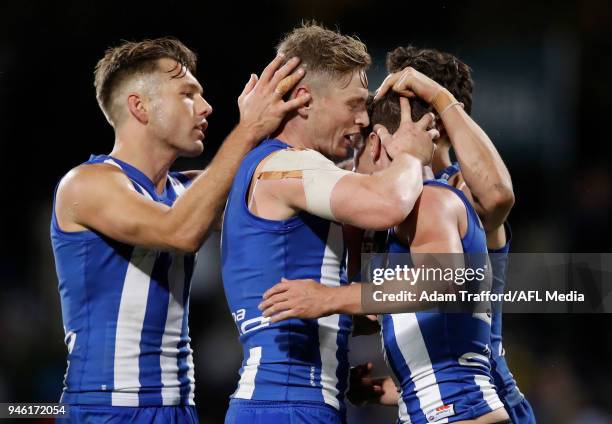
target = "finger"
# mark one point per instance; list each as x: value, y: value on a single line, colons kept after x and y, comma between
x: 272, y: 67
x: 382, y: 133
x: 277, y: 308
x: 286, y: 84
x: 406, y: 93
x: 285, y: 70
x: 296, y: 103
x: 425, y: 122
x: 283, y: 316
x: 433, y: 134
x: 387, y: 83
x: 360, y: 370
x: 249, y: 85
x: 281, y: 297
x: 405, y: 111
x: 402, y: 82
x: 281, y: 287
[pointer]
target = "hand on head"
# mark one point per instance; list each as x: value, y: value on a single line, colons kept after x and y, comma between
x: 261, y: 103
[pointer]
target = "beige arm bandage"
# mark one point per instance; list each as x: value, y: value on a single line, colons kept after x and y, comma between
x: 319, y: 176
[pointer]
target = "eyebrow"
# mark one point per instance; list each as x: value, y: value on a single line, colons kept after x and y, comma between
x: 357, y: 99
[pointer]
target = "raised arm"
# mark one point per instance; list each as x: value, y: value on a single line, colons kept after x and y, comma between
x: 100, y: 197
x: 483, y: 168
x: 306, y: 180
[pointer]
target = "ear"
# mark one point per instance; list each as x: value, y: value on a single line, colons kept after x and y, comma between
x: 375, y: 146
x: 137, y: 108
x: 303, y: 111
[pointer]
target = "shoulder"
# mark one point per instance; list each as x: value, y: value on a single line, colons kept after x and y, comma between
x: 83, y: 178
x: 438, y: 201
x: 437, y: 208
x: 298, y: 159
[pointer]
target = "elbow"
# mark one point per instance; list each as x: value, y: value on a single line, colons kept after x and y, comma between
x: 186, y: 244
x: 182, y: 240
x: 502, y: 201
x: 498, y: 208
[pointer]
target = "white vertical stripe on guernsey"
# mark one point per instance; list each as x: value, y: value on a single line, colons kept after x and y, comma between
x: 191, y: 376
x: 130, y: 319
x: 329, y: 326
x: 404, y: 416
x: 179, y: 188
x: 168, y: 361
x: 132, y: 309
x: 414, y: 351
x: 488, y: 391
x: 246, y: 385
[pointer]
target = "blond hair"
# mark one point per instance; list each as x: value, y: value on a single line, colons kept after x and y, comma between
x: 326, y: 52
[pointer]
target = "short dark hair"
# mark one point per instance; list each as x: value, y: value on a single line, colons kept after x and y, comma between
x: 444, y: 68
x: 129, y: 58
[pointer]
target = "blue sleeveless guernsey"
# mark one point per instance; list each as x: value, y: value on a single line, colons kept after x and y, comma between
x: 442, y: 360
x: 505, y: 383
x: 295, y: 360
x: 125, y: 312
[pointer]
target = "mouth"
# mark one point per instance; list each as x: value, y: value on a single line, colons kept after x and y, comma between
x: 201, y: 128
x: 353, y: 140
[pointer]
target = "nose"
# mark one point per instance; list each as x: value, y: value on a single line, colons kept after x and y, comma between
x: 203, y: 107
x: 362, y: 119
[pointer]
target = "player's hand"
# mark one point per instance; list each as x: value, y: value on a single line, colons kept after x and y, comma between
x: 261, y: 103
x: 409, y: 82
x: 305, y: 299
x: 365, y: 389
x: 365, y: 325
x: 414, y: 138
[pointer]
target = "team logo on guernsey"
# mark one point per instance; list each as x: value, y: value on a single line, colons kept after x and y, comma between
x: 440, y: 412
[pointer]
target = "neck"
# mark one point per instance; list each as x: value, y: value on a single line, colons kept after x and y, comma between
x: 146, y: 154
x: 294, y: 135
x: 441, y: 158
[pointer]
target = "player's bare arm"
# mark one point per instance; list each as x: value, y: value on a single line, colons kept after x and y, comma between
x: 376, y: 201
x: 114, y: 209
x: 483, y: 168
x: 435, y: 226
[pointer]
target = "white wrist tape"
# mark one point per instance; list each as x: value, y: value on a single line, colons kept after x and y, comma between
x: 319, y: 176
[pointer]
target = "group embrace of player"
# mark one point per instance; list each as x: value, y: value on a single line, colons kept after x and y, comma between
x: 125, y: 231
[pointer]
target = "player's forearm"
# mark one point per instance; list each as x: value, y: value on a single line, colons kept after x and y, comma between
x: 194, y: 213
x: 482, y: 167
x: 366, y: 298
x: 346, y: 300
x: 402, y: 183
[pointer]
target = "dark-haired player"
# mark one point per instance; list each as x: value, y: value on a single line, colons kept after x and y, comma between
x: 455, y: 76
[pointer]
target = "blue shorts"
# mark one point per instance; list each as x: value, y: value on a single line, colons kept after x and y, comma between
x: 243, y: 411
x: 518, y: 408
x: 126, y: 414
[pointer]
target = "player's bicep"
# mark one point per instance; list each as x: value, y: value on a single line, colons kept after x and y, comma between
x: 102, y: 199
x: 356, y: 201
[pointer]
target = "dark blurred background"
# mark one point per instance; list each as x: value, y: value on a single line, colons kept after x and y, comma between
x: 542, y: 74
